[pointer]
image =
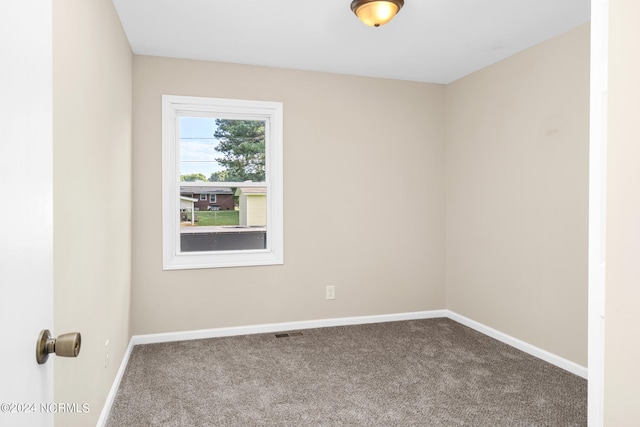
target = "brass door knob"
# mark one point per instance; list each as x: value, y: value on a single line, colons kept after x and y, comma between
x: 66, y: 345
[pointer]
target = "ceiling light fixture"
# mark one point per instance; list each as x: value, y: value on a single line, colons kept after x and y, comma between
x: 376, y: 12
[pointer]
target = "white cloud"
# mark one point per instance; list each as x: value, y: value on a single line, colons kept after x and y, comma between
x: 199, y: 156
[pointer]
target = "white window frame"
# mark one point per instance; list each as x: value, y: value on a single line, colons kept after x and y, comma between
x: 174, y: 107
x: 212, y: 198
x: 203, y: 197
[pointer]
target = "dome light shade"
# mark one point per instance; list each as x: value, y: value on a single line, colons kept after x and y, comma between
x: 376, y: 12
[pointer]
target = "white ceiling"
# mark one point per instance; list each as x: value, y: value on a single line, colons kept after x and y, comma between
x: 435, y: 41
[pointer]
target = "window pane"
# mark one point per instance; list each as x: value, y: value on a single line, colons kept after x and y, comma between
x: 237, y: 220
x: 217, y: 149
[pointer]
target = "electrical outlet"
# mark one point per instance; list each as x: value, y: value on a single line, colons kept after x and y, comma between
x: 106, y: 353
x: 331, y: 292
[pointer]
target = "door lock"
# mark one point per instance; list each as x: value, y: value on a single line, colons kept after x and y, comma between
x: 66, y: 345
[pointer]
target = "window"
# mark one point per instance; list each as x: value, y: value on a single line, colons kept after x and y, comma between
x: 231, y: 151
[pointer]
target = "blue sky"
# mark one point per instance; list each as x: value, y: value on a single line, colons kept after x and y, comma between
x: 197, y: 146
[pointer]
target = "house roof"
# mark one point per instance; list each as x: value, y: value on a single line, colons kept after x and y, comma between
x: 206, y: 190
x: 251, y: 190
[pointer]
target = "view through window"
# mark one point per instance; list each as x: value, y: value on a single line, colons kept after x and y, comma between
x: 231, y: 216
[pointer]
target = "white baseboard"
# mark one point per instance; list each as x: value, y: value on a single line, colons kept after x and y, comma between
x: 279, y: 327
x: 111, y: 397
x: 323, y: 323
x: 558, y: 361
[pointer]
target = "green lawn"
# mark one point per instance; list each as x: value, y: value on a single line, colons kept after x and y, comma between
x: 217, y: 218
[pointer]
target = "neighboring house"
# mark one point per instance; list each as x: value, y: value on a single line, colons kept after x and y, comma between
x: 253, y: 205
x: 210, y: 198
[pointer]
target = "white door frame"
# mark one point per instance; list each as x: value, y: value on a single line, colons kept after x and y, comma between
x: 597, y: 208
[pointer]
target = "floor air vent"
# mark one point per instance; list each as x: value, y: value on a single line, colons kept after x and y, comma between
x: 290, y: 334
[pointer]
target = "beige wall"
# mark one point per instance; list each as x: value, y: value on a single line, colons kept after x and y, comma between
x: 92, y: 91
x: 517, y: 195
x: 347, y: 140
x: 622, y: 375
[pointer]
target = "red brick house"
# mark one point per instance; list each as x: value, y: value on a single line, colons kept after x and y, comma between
x: 210, y: 198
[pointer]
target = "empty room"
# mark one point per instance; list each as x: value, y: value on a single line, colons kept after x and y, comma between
x: 275, y: 213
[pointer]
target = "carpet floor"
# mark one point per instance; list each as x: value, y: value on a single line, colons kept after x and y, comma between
x: 433, y: 372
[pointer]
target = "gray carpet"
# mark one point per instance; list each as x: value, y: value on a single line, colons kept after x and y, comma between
x: 432, y: 372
